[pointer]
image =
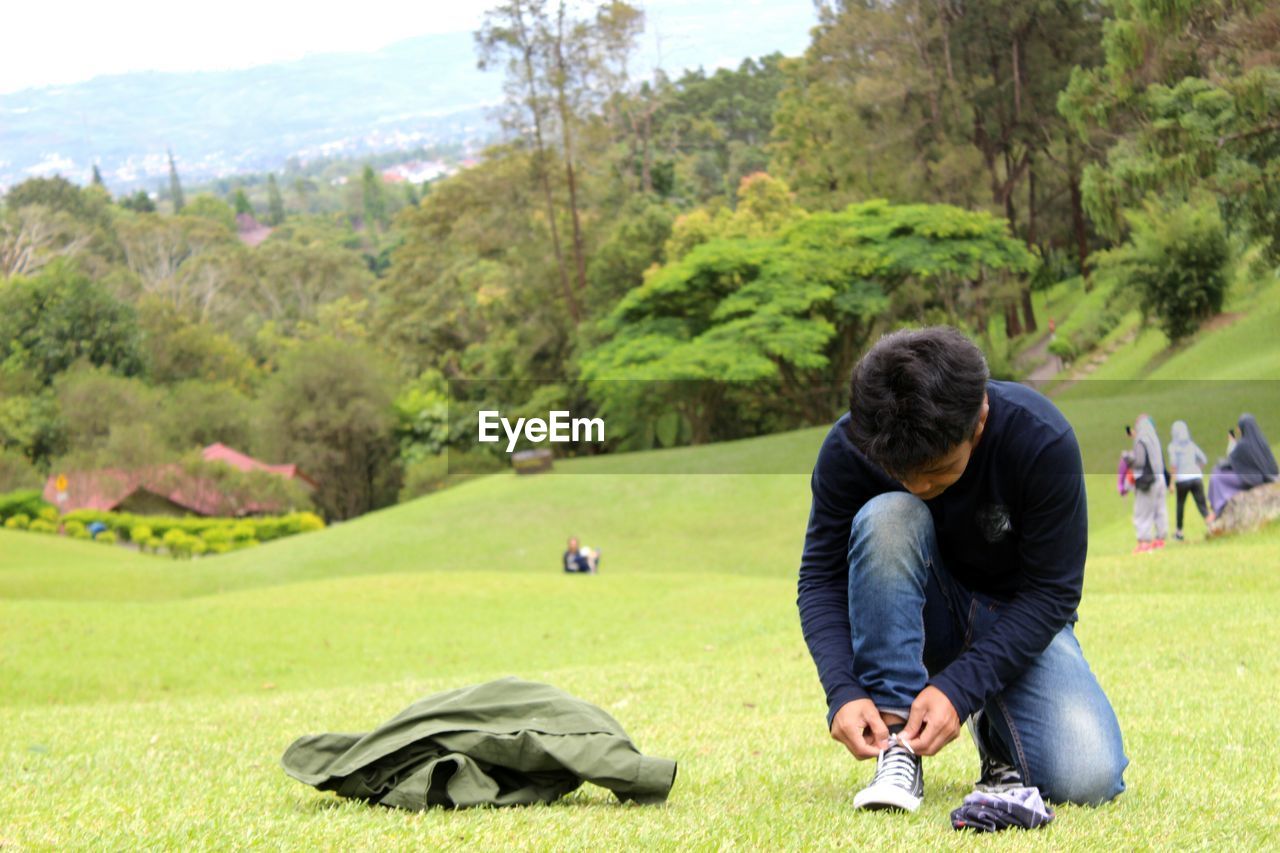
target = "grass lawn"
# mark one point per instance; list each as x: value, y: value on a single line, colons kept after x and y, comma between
x: 145, y: 702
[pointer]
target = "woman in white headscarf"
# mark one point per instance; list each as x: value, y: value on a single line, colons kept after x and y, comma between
x: 1185, y: 459
x: 1150, y: 512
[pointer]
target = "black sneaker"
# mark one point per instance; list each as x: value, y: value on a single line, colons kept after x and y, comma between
x: 899, y: 780
x: 997, y: 774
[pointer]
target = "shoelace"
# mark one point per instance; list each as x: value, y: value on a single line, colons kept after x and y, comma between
x: 996, y: 775
x: 896, y: 764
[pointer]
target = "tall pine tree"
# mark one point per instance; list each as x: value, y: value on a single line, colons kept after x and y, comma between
x: 275, y: 202
x: 175, y: 186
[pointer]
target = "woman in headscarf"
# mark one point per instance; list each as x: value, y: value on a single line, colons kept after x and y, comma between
x: 1185, y: 459
x: 1250, y: 463
x: 1150, y: 512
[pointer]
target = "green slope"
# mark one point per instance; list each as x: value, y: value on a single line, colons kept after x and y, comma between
x: 182, y: 682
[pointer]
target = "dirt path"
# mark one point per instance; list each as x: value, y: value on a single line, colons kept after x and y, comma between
x: 1047, y: 366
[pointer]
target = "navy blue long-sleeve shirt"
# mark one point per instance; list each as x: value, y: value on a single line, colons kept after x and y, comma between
x: 1014, y: 527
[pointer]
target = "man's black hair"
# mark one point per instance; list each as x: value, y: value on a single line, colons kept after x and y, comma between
x: 914, y: 396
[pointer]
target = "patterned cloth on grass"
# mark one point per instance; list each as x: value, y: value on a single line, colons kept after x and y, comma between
x: 1021, y: 808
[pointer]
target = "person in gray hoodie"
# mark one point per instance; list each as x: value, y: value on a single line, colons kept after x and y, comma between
x: 1185, y: 459
x: 1150, y: 514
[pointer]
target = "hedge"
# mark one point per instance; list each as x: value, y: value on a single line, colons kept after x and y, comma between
x: 239, y: 532
x: 181, y: 537
x: 24, y: 502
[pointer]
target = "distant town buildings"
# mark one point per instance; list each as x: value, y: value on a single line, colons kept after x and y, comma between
x: 417, y: 172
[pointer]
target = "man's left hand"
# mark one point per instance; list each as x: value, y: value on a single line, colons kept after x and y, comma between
x: 933, y: 722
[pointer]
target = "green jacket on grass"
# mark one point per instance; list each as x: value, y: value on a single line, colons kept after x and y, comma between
x: 504, y: 743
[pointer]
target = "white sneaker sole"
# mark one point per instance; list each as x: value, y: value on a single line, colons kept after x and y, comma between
x: 886, y: 797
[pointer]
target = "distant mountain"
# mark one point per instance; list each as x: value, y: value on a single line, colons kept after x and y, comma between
x: 421, y: 91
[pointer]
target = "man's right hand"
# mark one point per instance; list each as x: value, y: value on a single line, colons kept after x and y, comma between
x: 858, y: 726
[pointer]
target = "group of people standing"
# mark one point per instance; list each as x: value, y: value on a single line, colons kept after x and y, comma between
x: 1249, y: 463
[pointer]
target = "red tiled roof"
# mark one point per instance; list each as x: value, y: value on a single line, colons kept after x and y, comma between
x: 106, y: 489
x: 250, y: 231
x: 219, y: 452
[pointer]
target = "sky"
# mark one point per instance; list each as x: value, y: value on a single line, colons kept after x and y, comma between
x: 66, y: 41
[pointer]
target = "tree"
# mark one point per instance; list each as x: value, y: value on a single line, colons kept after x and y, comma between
x: 1177, y: 258
x: 373, y: 200
x: 275, y: 202
x: 56, y: 194
x: 1185, y: 103
x: 175, y: 186
x: 97, y: 177
x: 17, y: 472
x: 329, y: 409
x: 560, y: 71
x: 52, y: 320
x: 698, y: 136
x: 178, y: 349
x: 190, y: 261
x: 206, y: 206
x: 787, y: 310
x: 240, y: 201
x: 99, y: 408
x: 295, y: 272
x: 513, y: 28
x: 33, y: 235
x: 949, y: 102
x: 139, y: 202
x: 197, y: 413
x: 473, y: 287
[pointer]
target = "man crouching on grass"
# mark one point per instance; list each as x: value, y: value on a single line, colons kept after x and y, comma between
x: 942, y: 568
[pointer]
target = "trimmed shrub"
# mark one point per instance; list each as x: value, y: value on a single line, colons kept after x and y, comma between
x: 1177, y: 258
x: 74, y: 528
x: 42, y: 526
x: 17, y: 522
x: 106, y: 537
x: 23, y: 502
x: 139, y: 528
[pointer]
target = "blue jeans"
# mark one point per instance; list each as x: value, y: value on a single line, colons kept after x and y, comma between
x: 910, y: 617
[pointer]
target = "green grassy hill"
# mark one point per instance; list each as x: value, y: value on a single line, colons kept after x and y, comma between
x: 146, y: 702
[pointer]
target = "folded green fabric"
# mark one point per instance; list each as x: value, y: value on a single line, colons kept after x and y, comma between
x: 504, y: 743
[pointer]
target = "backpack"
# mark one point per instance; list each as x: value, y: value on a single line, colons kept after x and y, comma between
x: 1144, y: 481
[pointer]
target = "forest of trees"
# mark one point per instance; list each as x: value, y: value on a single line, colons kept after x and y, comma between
x: 728, y: 240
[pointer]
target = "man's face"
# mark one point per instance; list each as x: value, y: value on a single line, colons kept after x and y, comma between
x: 573, y: 544
x: 937, y: 476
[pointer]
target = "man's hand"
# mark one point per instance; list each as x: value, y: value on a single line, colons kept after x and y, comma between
x: 933, y: 722
x: 858, y: 726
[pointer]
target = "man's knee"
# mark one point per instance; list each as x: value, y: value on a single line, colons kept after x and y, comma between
x: 1099, y: 783
x: 889, y: 531
x: 892, y: 514
x: 1086, y: 766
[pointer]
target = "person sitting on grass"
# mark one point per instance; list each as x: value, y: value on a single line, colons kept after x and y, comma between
x: 580, y: 559
x: 942, y: 568
x: 1185, y: 459
x: 1249, y: 464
